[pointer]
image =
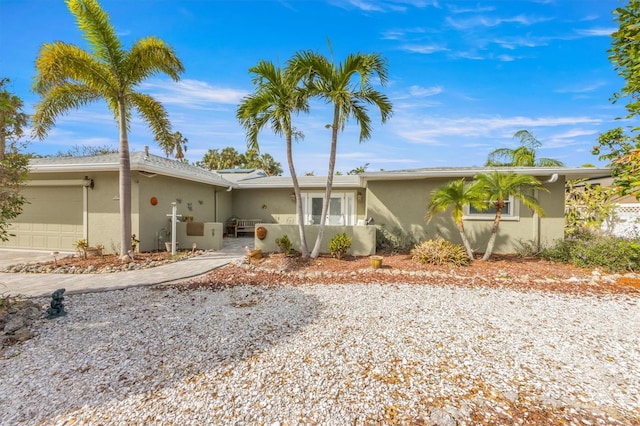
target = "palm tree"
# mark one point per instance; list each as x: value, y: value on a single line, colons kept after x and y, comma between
x: 456, y: 195
x: 334, y: 84
x: 523, y: 156
x: 69, y: 77
x: 498, y: 187
x: 276, y: 99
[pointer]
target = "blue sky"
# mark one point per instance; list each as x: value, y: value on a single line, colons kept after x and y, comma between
x: 464, y: 76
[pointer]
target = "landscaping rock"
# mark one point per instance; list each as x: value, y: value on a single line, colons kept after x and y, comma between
x: 16, y: 319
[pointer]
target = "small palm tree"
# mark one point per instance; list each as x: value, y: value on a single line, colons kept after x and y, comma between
x: 276, y: 99
x: 456, y: 195
x: 334, y: 84
x: 69, y: 77
x: 498, y: 187
x: 523, y: 156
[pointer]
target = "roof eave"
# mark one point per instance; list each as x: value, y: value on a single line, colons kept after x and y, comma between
x: 575, y: 173
x: 141, y: 166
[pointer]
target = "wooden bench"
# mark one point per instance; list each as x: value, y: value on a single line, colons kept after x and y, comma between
x: 245, y: 225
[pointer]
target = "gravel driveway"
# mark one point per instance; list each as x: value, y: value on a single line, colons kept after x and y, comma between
x: 328, y: 354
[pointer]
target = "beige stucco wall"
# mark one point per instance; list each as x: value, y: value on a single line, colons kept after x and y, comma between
x: 276, y: 206
x: 210, y: 240
x: 104, y: 211
x: 154, y: 224
x: 103, y: 218
x: 401, y: 206
x: 363, y: 238
x: 223, y: 201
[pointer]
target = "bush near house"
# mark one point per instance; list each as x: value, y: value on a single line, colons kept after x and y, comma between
x: 587, y: 249
x: 339, y: 245
x: 439, y: 252
x: 284, y: 244
x: 395, y: 241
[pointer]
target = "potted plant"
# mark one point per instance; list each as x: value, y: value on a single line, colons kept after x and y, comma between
x: 376, y: 261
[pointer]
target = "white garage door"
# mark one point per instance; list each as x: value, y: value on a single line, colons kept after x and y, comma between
x: 52, y: 219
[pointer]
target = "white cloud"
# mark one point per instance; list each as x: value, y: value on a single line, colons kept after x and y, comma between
x: 425, y: 91
x: 193, y: 93
x: 513, y: 43
x: 385, y: 5
x: 424, y: 48
x: 581, y: 89
x: 477, y: 9
x: 431, y: 130
x: 489, y: 22
x: 597, y: 32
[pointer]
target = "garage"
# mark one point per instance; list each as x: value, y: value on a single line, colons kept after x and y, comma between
x: 52, y: 218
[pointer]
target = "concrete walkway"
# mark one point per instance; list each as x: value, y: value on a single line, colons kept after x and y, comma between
x: 34, y: 285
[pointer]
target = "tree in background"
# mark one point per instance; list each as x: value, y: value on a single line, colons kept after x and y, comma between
x: 69, y: 77
x: 252, y: 159
x: 276, y: 99
x: 523, y: 156
x: 498, y: 187
x: 587, y: 206
x: 623, y: 154
x: 622, y: 150
x: 229, y: 158
x: 178, y: 144
x: 455, y: 195
x: 87, y: 151
x: 335, y: 84
x: 13, y: 163
x: 358, y: 170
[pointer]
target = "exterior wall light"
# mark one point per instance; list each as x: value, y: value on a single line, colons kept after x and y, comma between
x: 87, y: 182
x: 293, y: 197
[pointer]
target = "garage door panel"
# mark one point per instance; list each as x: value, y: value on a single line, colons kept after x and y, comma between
x: 51, y: 220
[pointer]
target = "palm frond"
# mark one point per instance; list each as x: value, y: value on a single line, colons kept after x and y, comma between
x: 59, y: 63
x: 97, y: 30
x: 156, y: 117
x: 57, y: 101
x: 150, y: 56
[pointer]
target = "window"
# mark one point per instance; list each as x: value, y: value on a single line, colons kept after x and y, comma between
x: 509, y: 212
x: 341, y: 208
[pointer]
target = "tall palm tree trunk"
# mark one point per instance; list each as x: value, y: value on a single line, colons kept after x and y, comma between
x: 125, y: 182
x: 465, y: 241
x: 494, y: 234
x: 327, y: 194
x: 304, y: 249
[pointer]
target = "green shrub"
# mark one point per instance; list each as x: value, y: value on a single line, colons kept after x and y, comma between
x: 439, y: 252
x: 396, y: 241
x: 526, y: 248
x: 587, y: 250
x: 284, y: 244
x: 339, y: 245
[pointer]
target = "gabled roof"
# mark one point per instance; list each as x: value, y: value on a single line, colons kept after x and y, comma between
x: 140, y: 161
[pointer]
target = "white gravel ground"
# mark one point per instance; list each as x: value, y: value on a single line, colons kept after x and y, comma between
x: 337, y: 354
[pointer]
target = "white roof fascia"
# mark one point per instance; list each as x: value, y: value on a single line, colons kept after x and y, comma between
x: 136, y: 165
x: 573, y: 172
x: 306, y: 182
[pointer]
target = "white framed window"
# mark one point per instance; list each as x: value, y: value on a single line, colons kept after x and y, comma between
x: 342, y: 208
x: 510, y: 211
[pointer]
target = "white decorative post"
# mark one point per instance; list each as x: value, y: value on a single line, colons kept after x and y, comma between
x: 174, y: 211
x: 174, y: 216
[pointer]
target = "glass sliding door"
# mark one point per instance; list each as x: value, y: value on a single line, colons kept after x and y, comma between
x: 341, y: 208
